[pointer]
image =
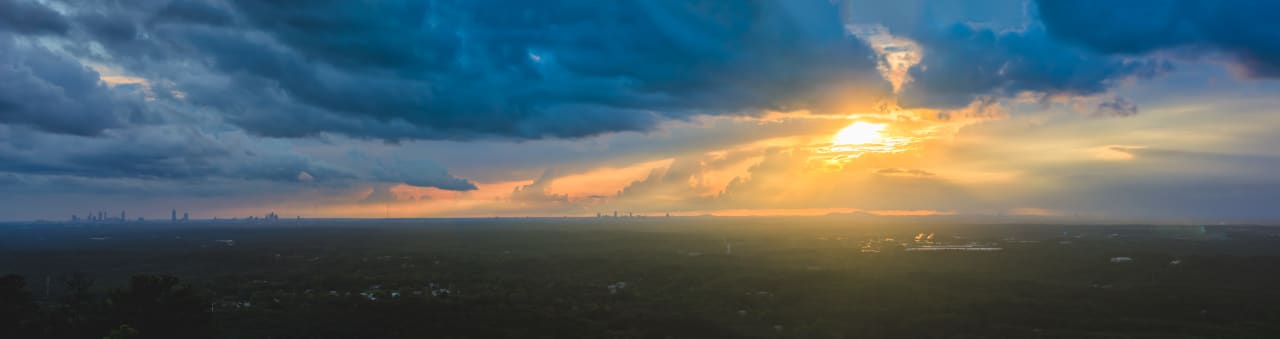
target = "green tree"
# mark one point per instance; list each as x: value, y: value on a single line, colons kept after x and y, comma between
x: 80, y: 314
x: 158, y: 306
x: 18, y: 312
x: 122, y: 332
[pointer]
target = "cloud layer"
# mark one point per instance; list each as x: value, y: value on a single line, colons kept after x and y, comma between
x: 461, y: 70
x: 494, y: 105
x: 1246, y: 31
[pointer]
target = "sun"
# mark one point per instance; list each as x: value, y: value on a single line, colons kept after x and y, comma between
x: 859, y: 133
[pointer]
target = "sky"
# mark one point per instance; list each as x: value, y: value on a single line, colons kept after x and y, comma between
x: 1089, y: 110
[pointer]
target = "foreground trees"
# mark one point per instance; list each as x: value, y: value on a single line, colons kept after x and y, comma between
x: 18, y: 312
x: 153, y: 306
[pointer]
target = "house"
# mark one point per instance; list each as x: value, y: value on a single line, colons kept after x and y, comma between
x: 615, y: 287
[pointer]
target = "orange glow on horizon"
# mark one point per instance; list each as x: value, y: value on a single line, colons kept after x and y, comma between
x: 604, y: 181
x: 801, y: 212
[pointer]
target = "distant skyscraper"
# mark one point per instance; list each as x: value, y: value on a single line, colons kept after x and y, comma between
x: 184, y: 216
x: 173, y: 216
x: 122, y: 218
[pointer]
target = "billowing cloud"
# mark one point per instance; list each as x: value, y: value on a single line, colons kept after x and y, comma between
x: 1116, y: 107
x: 569, y: 107
x: 415, y: 69
x: 896, y: 55
x: 947, y: 55
x: 55, y: 93
x: 192, y: 12
x: 192, y: 156
x: 30, y: 17
x: 538, y: 192
x: 962, y: 63
x: 1245, y: 31
x: 414, y: 171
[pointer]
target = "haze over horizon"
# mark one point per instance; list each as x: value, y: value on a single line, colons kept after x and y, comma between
x: 1136, y: 110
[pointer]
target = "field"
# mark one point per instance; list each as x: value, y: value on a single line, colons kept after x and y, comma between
x: 818, y: 277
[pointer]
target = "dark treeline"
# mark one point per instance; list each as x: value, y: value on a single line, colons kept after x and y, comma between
x: 152, y: 306
x: 737, y: 278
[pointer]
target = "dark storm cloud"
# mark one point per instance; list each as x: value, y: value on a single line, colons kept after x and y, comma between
x: 190, y: 156
x: 193, y: 12
x: 108, y: 29
x: 962, y: 62
x: 1245, y: 30
x: 472, y: 69
x: 417, y: 69
x: 988, y: 49
x: 414, y: 171
x: 462, y: 70
x: 160, y: 152
x: 55, y: 93
x: 205, y: 81
x: 29, y: 17
x: 394, y: 35
x: 1116, y: 107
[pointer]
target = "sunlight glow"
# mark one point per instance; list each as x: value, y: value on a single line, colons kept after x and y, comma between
x: 859, y: 133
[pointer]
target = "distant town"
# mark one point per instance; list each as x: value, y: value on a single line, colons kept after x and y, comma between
x: 104, y: 217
